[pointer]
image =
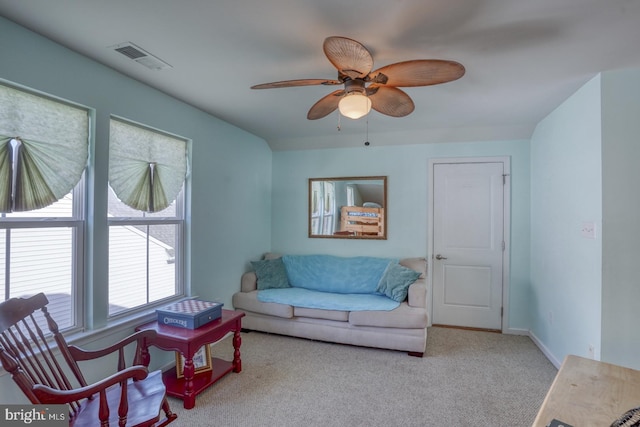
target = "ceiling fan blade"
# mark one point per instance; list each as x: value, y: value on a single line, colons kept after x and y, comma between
x: 294, y: 83
x: 419, y: 72
x: 325, y: 105
x: 350, y: 57
x: 390, y: 101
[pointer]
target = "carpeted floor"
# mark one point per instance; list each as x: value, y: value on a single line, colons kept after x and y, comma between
x: 466, y: 378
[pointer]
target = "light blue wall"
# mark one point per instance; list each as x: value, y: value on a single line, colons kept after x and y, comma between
x: 224, y: 198
x: 406, y: 167
x: 246, y: 200
x: 621, y: 218
x: 566, y: 190
x: 231, y: 169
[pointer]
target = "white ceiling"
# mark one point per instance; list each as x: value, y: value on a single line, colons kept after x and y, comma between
x: 522, y: 57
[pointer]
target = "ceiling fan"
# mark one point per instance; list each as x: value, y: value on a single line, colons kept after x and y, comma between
x: 365, y: 89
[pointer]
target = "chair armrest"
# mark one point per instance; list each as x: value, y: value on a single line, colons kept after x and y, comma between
x: 249, y: 282
x: 144, y: 339
x: 417, y: 295
x: 47, y: 394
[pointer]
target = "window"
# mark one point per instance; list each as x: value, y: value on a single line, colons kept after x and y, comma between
x: 44, y: 150
x: 43, y: 252
x: 351, y: 195
x: 43, y: 154
x: 322, y: 207
x: 147, y: 170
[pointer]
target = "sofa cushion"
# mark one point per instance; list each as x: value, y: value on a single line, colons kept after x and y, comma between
x: 416, y: 264
x: 395, y: 281
x: 404, y: 317
x: 249, y: 301
x: 328, y: 273
x: 300, y: 297
x: 315, y: 313
x: 417, y: 295
x: 271, y: 274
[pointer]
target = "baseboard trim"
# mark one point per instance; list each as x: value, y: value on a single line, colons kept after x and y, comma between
x: 515, y: 331
x: 467, y: 328
x: 545, y: 350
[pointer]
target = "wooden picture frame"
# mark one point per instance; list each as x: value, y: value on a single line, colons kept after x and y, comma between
x: 201, y: 361
x: 348, y: 207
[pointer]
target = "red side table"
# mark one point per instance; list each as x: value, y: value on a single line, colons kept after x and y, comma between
x: 187, y: 342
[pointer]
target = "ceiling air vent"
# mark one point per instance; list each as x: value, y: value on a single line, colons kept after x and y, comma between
x: 141, y: 56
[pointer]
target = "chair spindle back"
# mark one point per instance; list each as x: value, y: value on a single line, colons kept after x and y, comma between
x: 25, y: 349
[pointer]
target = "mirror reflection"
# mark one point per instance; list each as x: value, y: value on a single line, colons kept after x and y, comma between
x: 348, y: 208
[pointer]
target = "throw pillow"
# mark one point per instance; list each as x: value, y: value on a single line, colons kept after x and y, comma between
x: 396, y: 280
x: 271, y: 274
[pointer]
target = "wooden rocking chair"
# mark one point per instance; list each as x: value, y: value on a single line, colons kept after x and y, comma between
x: 130, y: 397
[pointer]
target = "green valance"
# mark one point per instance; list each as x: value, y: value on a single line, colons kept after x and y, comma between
x: 146, y: 168
x: 43, y: 149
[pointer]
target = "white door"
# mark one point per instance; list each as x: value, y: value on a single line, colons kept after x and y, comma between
x: 468, y: 244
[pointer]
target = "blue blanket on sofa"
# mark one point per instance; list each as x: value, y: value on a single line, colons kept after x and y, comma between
x: 329, y: 273
x: 332, y: 283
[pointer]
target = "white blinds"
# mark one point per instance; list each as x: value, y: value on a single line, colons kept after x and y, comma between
x: 43, y: 149
x: 146, y: 168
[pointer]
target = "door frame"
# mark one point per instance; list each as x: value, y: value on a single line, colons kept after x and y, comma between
x: 506, y: 207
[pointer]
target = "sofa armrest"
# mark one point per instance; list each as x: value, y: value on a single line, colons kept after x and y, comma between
x: 417, y: 295
x: 249, y: 282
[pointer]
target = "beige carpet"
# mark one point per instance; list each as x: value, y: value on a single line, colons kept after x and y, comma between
x: 466, y: 378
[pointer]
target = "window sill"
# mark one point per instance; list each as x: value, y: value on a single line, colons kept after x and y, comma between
x: 120, y: 326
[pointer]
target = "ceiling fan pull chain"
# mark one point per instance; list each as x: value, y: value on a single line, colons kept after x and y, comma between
x: 366, y: 141
x: 339, y: 125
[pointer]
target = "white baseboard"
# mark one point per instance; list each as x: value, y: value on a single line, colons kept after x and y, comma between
x: 516, y: 331
x: 544, y: 350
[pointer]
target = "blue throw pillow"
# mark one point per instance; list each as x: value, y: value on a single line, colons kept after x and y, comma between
x: 396, y: 280
x: 271, y: 274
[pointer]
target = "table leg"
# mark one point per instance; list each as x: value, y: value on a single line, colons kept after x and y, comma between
x: 237, y: 341
x: 188, y: 372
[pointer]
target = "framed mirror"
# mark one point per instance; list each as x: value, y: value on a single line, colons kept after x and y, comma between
x: 348, y: 207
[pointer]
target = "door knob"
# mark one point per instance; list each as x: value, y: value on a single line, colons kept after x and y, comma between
x: 440, y: 257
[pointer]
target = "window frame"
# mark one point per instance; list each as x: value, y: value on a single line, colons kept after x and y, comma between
x: 179, y: 219
x: 179, y: 278
x: 77, y: 222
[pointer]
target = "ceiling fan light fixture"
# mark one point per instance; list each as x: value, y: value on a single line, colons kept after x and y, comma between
x: 354, y: 105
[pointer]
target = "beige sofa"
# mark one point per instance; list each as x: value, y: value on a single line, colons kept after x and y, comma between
x: 403, y: 328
